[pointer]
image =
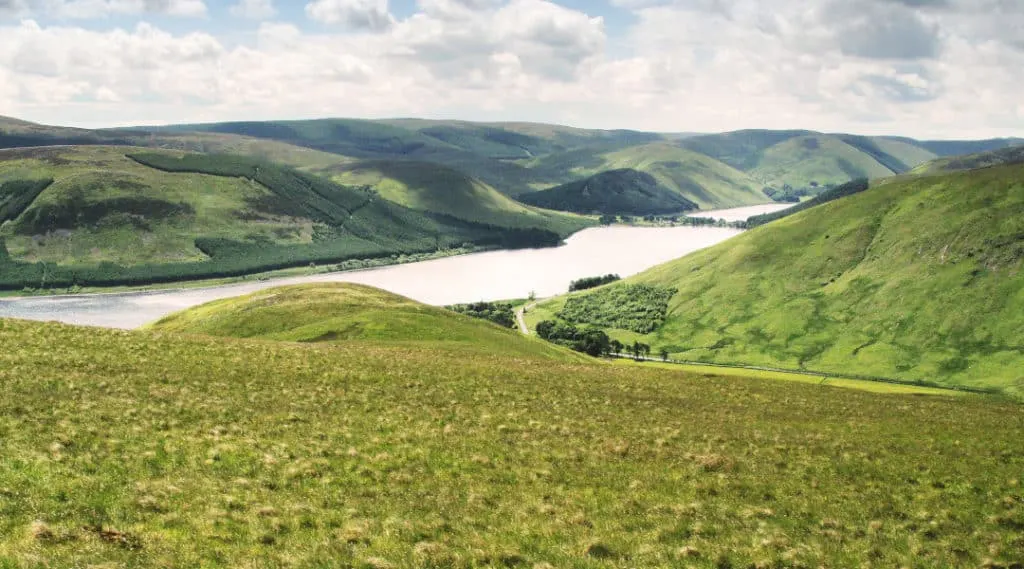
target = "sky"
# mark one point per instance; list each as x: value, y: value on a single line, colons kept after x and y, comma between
x: 921, y: 68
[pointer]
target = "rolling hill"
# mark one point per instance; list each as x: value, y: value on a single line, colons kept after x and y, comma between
x: 713, y: 170
x: 799, y: 158
x: 439, y: 189
x: 123, y: 215
x: 327, y: 313
x: 612, y: 192
x: 917, y: 279
x: 157, y: 448
x: 695, y: 177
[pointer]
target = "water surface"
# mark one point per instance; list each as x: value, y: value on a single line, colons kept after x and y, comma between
x: 492, y: 275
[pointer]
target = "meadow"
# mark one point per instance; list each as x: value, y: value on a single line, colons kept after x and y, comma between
x: 155, y: 449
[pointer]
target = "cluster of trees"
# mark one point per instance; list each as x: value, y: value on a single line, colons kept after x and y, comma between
x: 592, y: 282
x: 847, y: 189
x: 17, y: 195
x: 684, y: 220
x: 789, y: 194
x: 639, y: 308
x: 591, y: 341
x: 500, y: 313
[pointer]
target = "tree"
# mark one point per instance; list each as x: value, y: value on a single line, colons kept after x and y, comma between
x: 593, y: 342
x: 664, y: 354
x: 545, y: 328
x: 644, y: 350
x: 607, y: 219
x: 635, y: 350
x: 616, y: 347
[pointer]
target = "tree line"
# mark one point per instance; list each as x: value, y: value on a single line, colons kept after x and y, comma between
x: 500, y: 313
x: 592, y: 282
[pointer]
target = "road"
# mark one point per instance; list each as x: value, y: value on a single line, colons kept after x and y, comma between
x: 520, y: 320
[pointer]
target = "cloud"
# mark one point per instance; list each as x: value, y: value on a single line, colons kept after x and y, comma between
x: 92, y: 9
x: 254, y: 9
x: 370, y: 15
x: 531, y: 37
x: 929, y: 69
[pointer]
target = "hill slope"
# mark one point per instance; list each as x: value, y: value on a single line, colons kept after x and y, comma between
x: 705, y: 181
x: 154, y: 449
x: 435, y: 188
x: 800, y: 158
x: 915, y: 279
x: 169, y: 216
x: 337, y: 312
x: 613, y: 192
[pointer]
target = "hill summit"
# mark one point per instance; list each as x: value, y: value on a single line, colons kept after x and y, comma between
x: 622, y: 191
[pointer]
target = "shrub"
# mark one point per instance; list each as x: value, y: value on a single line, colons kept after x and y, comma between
x: 639, y: 308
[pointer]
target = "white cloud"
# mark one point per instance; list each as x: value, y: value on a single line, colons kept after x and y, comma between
x: 254, y: 9
x: 355, y: 14
x: 688, y: 65
x: 91, y: 9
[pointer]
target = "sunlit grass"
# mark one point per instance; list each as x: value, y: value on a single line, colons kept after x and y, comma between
x: 153, y: 449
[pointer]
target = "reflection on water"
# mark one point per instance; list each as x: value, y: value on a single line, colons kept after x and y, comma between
x: 468, y: 278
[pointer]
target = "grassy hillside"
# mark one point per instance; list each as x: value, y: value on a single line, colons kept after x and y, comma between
x: 798, y: 158
x: 613, y: 192
x: 817, y: 160
x: 154, y: 449
x: 696, y: 177
x: 318, y: 313
x: 916, y: 279
x: 369, y: 140
x: 1012, y: 155
x: 170, y: 216
x: 434, y: 188
x: 104, y: 206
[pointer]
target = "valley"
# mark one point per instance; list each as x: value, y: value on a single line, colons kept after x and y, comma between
x: 491, y: 275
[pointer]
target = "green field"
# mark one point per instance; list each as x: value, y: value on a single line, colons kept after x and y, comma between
x: 166, y: 447
x: 917, y: 279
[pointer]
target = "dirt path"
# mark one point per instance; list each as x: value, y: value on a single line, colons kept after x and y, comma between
x: 520, y: 320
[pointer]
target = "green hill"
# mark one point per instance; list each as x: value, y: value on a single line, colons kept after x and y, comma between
x: 707, y: 182
x: 337, y: 312
x: 805, y: 159
x: 1011, y: 155
x: 159, y: 449
x: 816, y: 159
x: 434, y: 188
x: 160, y: 216
x: 916, y: 279
x: 613, y: 192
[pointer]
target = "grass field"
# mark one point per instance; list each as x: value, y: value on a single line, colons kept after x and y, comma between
x: 156, y: 449
x: 707, y: 370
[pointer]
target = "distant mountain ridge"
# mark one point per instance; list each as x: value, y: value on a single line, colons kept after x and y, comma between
x: 713, y: 170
